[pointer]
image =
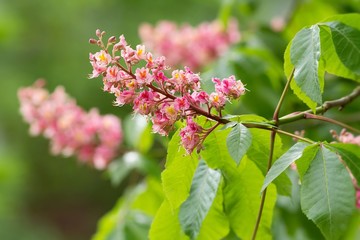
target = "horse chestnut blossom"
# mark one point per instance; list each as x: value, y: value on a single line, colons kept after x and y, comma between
x: 93, y: 138
x: 189, y: 46
x: 164, y: 96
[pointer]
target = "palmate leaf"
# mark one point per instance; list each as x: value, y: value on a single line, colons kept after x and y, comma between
x: 303, y: 54
x: 238, y: 142
x: 327, y: 194
x: 203, y: 190
x: 294, y: 153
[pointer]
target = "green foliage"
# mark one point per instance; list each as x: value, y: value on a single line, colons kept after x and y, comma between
x: 238, y: 142
x: 308, y: 65
x: 202, y: 194
x: 259, y: 154
x: 327, y: 194
x: 294, y: 153
x: 346, y: 41
x: 304, y: 161
x: 242, y: 200
x: 133, y: 213
x: 179, y: 171
x: 215, y: 151
x: 334, y: 48
x: 350, y: 154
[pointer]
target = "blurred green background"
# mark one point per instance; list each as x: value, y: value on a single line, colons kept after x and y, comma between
x: 47, y: 197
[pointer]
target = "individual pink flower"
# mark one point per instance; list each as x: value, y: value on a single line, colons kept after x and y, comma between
x: 201, y: 97
x: 113, y: 74
x: 124, y: 97
x: 145, y: 103
x: 181, y: 104
x: 161, y: 123
x: 217, y: 100
x: 143, y: 76
x: 93, y: 138
x: 99, y: 61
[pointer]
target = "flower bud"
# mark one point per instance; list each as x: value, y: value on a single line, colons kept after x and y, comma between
x: 92, y: 41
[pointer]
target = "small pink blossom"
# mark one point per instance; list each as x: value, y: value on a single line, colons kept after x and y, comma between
x: 217, y: 100
x: 124, y: 97
x: 190, y: 135
x: 145, y: 102
x: 143, y: 76
x: 112, y: 74
x: 181, y: 104
x: 200, y: 97
x: 161, y: 123
x: 99, y: 61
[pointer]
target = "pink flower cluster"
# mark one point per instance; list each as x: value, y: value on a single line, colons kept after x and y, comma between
x: 93, y: 138
x: 346, y: 137
x: 163, y: 96
x: 189, y: 46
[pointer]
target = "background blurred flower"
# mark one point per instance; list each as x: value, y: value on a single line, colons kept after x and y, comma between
x: 92, y: 138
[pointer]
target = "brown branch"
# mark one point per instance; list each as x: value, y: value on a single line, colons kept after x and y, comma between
x: 341, y: 103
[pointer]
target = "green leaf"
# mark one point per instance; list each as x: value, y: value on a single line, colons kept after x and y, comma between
x: 166, y: 224
x: 350, y: 154
x: 309, y: 71
x: 333, y: 64
x: 238, y: 142
x: 347, y: 44
x: 126, y: 220
x: 215, y: 151
x: 259, y: 154
x: 242, y: 200
x: 202, y: 193
x: 178, y: 173
x: 151, y: 199
x: 304, y: 161
x: 294, y: 153
x: 216, y: 224
x: 327, y: 194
